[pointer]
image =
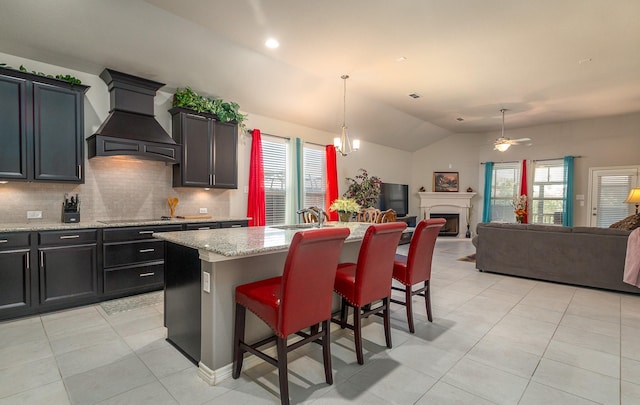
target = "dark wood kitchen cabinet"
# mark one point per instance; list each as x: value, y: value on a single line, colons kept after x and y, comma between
x: 209, y: 150
x: 15, y: 274
x: 133, y: 260
x: 41, y: 128
x: 68, y: 267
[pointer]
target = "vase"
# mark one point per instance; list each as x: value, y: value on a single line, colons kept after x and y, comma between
x: 344, y: 216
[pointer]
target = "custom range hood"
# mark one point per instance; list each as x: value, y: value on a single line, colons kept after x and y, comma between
x: 131, y: 128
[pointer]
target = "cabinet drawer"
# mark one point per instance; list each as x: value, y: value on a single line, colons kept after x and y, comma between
x: 234, y: 224
x: 13, y: 240
x: 204, y: 225
x: 136, y: 232
x: 118, y: 254
x: 133, y: 277
x: 77, y: 237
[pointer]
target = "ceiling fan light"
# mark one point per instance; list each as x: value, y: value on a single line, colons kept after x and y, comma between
x: 502, y: 147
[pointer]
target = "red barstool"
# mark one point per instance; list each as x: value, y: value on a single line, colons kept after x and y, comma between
x: 301, y: 298
x: 416, y: 267
x: 369, y: 280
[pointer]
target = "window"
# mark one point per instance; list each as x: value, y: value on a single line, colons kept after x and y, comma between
x: 315, y: 174
x: 504, y: 186
x: 274, y: 154
x: 547, y: 204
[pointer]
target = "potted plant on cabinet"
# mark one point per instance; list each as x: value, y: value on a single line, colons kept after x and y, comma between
x: 226, y: 111
x: 364, y: 189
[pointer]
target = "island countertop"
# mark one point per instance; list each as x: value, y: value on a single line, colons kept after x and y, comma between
x: 238, y: 242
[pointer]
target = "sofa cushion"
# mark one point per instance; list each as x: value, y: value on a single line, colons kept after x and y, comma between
x: 599, y: 231
x: 628, y: 224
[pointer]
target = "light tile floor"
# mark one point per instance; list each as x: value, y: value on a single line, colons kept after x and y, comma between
x: 494, y: 339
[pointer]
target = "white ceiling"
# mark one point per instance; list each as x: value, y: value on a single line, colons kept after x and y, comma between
x: 544, y: 60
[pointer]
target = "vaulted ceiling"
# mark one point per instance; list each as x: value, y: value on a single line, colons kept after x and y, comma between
x: 545, y: 60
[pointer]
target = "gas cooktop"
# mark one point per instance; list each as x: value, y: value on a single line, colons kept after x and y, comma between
x: 119, y: 221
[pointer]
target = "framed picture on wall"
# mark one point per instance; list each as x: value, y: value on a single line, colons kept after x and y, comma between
x: 445, y: 181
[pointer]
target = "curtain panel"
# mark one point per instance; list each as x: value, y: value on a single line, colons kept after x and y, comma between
x: 256, y: 205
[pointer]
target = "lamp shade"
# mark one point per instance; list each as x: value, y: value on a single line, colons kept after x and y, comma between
x: 502, y: 147
x: 634, y: 196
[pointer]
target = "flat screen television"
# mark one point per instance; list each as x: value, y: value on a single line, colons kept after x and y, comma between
x: 396, y: 197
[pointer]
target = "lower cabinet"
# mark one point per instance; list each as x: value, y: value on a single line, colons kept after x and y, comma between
x: 133, y: 260
x: 15, y: 273
x: 68, y: 267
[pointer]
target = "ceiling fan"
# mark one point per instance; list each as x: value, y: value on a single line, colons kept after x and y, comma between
x: 502, y: 144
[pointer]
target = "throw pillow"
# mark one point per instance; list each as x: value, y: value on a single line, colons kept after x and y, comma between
x: 628, y: 224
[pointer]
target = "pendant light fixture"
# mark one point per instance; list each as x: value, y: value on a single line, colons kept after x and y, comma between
x: 502, y: 144
x: 343, y: 143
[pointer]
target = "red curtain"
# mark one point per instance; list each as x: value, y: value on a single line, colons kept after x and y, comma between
x: 256, y: 206
x: 332, y: 180
x: 523, y: 189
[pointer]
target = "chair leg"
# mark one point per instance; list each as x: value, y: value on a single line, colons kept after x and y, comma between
x: 408, y: 298
x: 326, y: 352
x: 357, y: 333
x: 427, y: 299
x: 238, y: 352
x: 387, y: 321
x: 281, y: 346
x: 344, y: 312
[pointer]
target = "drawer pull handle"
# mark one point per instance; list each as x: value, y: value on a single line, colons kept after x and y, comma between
x: 204, y: 228
x: 147, y: 274
x: 236, y: 226
x: 145, y: 232
x: 70, y: 237
x: 27, y: 259
x: 146, y: 250
x: 4, y: 240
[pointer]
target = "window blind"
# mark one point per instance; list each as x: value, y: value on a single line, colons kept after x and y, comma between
x: 315, y: 176
x: 612, y: 191
x: 274, y: 152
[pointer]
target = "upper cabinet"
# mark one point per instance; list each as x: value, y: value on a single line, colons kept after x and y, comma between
x: 41, y: 128
x: 209, y: 150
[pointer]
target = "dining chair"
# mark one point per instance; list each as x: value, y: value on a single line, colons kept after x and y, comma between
x: 368, y: 215
x: 387, y: 216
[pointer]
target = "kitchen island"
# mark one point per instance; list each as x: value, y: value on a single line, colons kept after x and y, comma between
x: 202, y: 270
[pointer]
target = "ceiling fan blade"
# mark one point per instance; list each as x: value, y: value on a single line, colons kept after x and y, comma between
x: 522, y: 140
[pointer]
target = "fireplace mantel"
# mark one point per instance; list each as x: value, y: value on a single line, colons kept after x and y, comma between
x: 447, y: 203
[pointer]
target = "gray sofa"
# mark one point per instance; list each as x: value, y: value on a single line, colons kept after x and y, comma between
x: 592, y: 257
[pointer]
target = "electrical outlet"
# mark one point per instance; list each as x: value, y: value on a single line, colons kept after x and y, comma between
x: 203, y: 210
x: 206, y: 282
x: 34, y: 214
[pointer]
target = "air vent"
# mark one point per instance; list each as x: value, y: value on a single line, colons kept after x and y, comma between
x: 414, y: 95
x: 460, y: 119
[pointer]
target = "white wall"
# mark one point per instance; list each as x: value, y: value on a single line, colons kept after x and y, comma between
x: 132, y: 188
x: 600, y: 142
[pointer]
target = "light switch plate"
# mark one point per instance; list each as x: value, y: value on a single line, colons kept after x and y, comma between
x: 206, y: 282
x: 203, y: 210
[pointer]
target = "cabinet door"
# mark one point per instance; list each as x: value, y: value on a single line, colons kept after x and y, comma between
x: 196, y: 146
x: 225, y: 159
x: 68, y: 274
x: 58, y: 133
x: 14, y: 280
x: 13, y: 128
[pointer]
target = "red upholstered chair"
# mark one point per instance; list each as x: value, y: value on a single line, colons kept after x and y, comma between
x: 301, y: 298
x: 369, y: 280
x: 416, y: 267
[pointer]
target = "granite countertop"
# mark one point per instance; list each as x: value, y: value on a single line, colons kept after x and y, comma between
x: 236, y: 242
x: 59, y: 226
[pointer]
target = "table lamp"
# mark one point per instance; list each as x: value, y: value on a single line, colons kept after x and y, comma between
x: 634, y: 197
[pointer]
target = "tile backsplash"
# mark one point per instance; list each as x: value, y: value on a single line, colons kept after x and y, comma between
x: 115, y: 188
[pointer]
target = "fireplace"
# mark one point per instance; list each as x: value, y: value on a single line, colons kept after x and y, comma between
x: 451, y: 227
x: 448, y: 203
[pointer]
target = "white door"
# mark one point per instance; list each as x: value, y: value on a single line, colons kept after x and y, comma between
x: 609, y: 188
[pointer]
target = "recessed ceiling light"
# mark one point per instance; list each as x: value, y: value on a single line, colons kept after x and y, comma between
x: 272, y: 43
x: 414, y: 95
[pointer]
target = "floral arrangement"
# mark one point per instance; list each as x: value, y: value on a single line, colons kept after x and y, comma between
x: 345, y: 205
x: 520, y: 206
x: 364, y: 189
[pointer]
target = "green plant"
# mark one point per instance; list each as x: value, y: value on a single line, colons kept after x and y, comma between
x: 364, y: 189
x: 66, y: 78
x: 226, y: 111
